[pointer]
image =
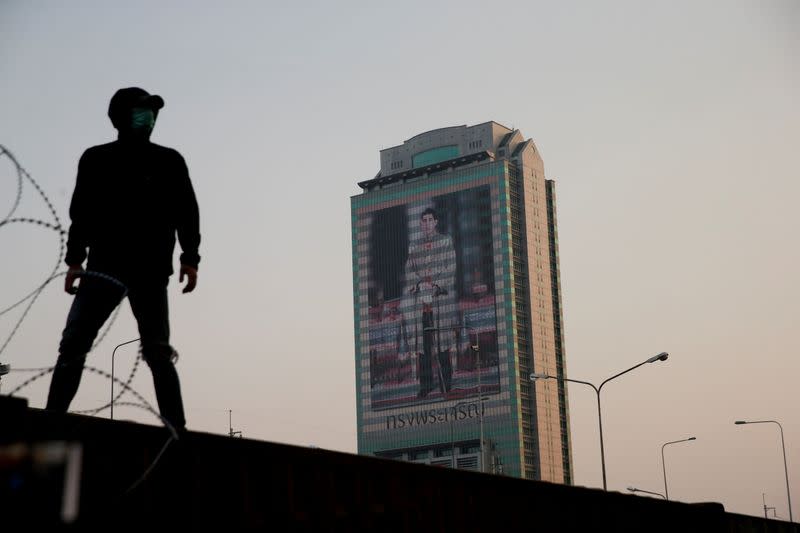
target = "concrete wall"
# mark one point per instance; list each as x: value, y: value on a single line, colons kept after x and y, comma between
x: 217, y: 481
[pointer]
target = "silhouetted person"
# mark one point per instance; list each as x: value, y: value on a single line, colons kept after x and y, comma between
x: 131, y: 198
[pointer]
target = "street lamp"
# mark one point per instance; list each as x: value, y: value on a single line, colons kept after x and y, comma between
x: 659, y: 357
x: 634, y: 489
x: 783, y: 445
x: 664, y: 466
x: 452, y: 429
x: 112, y: 373
x: 477, y: 349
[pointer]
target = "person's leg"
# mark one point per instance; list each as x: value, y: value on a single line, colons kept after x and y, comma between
x: 426, y: 357
x: 446, y: 367
x: 93, y: 304
x: 151, y: 309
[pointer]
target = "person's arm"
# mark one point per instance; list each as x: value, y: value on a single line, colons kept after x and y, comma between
x: 80, y: 216
x: 411, y: 268
x: 188, y: 226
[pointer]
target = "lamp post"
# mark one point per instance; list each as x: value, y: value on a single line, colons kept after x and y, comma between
x: 112, y: 373
x: 477, y: 349
x: 634, y: 489
x: 663, y: 464
x: 452, y: 430
x: 660, y: 357
x: 783, y: 445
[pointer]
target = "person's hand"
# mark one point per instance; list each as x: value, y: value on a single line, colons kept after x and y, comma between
x: 191, y: 277
x: 73, y: 273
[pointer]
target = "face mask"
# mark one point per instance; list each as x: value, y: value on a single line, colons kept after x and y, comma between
x: 143, y: 120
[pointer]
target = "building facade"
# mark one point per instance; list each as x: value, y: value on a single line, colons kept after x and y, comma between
x: 457, y: 300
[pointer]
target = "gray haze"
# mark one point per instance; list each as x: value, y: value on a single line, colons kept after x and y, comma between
x: 670, y: 128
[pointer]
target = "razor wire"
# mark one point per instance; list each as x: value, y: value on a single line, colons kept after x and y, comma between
x: 47, y: 370
x: 31, y: 298
x: 114, y: 401
x: 125, y: 388
x: 150, y: 468
x: 55, y: 225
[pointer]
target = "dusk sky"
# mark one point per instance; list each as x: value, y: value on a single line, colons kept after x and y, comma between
x: 670, y: 128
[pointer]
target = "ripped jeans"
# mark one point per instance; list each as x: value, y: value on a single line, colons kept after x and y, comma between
x: 95, y: 301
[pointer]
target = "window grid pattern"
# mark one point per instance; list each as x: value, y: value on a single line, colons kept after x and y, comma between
x: 501, y: 428
x: 559, y: 332
x: 520, y: 267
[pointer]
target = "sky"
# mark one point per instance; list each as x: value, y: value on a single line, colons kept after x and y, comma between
x: 669, y: 127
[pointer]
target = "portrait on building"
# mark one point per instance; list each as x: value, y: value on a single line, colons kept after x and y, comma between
x: 431, y: 295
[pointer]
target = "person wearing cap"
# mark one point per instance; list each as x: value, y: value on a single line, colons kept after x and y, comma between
x: 131, y: 198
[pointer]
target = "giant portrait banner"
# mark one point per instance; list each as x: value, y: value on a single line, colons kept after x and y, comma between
x: 431, y: 333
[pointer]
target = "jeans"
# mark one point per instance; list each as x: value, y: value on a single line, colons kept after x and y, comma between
x: 95, y: 301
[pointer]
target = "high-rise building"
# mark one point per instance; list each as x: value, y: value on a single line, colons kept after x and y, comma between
x: 457, y: 300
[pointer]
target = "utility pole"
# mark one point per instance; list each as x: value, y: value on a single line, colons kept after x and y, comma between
x: 477, y: 349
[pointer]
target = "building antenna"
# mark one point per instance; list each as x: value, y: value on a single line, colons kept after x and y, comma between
x: 764, y: 500
x: 231, y: 432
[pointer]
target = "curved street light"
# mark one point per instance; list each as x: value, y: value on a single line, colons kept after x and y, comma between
x: 114, y: 353
x: 634, y: 489
x: 659, y: 357
x: 664, y: 465
x: 783, y: 445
